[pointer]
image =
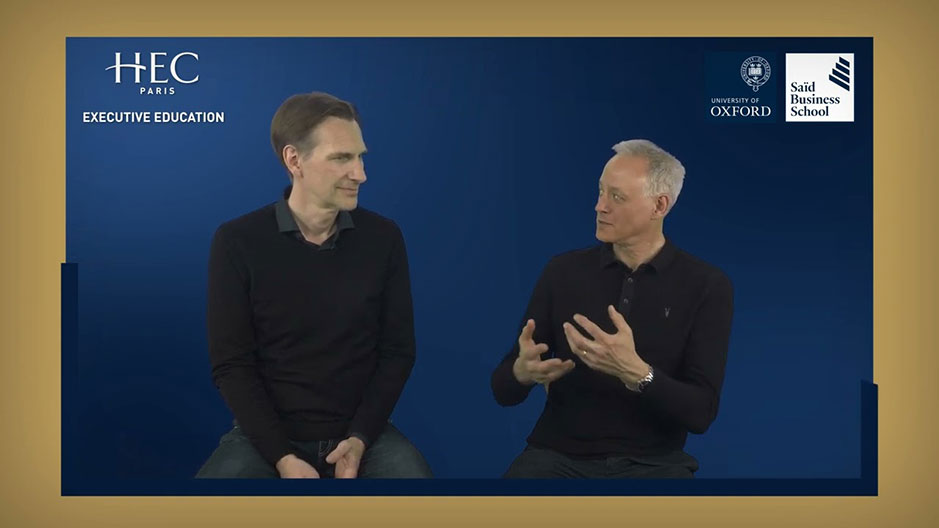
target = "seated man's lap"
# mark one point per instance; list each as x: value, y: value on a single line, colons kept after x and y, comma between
x: 546, y: 463
x: 534, y: 462
x: 391, y: 456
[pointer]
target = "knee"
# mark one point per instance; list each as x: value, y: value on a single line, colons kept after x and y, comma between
x: 394, y: 456
x: 411, y: 464
x: 228, y: 468
x: 537, y: 463
x: 236, y: 458
x: 521, y: 470
x: 402, y: 461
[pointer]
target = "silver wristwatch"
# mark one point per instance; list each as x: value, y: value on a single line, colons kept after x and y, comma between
x: 641, y: 385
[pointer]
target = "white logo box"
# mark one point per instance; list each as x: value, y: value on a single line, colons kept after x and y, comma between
x: 820, y: 87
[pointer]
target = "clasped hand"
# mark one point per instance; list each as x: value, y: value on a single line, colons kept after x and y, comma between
x: 347, y: 456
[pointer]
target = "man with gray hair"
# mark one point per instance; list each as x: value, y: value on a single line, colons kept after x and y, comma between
x: 628, y: 337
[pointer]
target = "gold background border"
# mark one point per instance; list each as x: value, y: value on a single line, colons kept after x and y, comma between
x: 32, y: 238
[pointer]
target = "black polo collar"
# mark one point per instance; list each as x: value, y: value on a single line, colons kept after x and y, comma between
x: 658, y: 263
x: 286, y: 223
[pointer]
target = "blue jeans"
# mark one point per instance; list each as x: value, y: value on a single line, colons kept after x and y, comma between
x: 391, y: 456
x: 546, y: 463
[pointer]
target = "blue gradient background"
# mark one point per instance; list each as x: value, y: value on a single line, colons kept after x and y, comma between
x: 486, y: 152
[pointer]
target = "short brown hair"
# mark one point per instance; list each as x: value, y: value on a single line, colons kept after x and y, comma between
x: 300, y: 114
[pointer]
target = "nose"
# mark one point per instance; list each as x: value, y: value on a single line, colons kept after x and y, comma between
x: 358, y: 172
x: 601, y: 205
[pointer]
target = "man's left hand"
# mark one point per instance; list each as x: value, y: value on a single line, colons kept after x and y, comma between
x: 613, y: 354
x: 347, y: 456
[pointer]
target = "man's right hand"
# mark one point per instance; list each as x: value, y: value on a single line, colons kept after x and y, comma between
x: 291, y: 466
x: 529, y: 368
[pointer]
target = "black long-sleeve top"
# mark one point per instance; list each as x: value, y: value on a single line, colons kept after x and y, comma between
x: 679, y: 309
x: 309, y: 342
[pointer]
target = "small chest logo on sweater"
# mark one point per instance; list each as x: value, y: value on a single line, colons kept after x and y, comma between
x: 667, y: 309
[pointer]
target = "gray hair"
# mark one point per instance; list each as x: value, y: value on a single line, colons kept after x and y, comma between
x: 666, y: 173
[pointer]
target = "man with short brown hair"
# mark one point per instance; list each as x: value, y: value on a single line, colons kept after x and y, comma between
x: 310, y: 320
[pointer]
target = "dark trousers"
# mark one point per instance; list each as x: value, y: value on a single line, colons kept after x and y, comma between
x: 391, y: 456
x: 545, y: 463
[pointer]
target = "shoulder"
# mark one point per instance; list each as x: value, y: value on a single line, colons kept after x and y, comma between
x: 698, y: 270
x: 247, y: 226
x: 374, y: 224
x: 576, y: 260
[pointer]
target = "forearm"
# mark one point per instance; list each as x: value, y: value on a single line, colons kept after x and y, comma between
x: 249, y: 402
x: 396, y: 348
x: 381, y: 395
x: 232, y: 349
x: 690, y: 405
x: 690, y: 395
x: 506, y: 388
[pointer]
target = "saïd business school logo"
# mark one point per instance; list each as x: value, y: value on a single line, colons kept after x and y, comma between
x: 819, y: 87
x: 154, y: 73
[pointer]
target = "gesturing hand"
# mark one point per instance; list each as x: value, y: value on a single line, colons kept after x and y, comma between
x: 529, y: 368
x: 291, y: 466
x: 347, y: 456
x: 613, y: 354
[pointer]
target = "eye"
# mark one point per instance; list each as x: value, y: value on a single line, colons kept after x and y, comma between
x: 618, y: 197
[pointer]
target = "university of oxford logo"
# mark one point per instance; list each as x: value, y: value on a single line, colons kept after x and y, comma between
x: 755, y: 71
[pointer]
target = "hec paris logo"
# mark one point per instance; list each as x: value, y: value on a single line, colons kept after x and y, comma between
x: 755, y: 71
x: 157, y: 63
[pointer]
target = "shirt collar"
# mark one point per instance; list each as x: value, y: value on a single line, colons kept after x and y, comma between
x: 286, y: 223
x: 659, y: 262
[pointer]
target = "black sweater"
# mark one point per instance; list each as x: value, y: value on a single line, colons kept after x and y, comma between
x: 679, y: 309
x: 309, y: 342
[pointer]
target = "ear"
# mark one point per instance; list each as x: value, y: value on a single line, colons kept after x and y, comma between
x: 292, y: 160
x: 662, y: 202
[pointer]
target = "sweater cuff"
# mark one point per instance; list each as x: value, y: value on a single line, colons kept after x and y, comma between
x: 653, y: 391
x: 366, y: 428
x: 275, y: 448
x: 657, y: 395
x: 361, y: 437
x: 506, y: 388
